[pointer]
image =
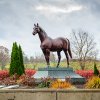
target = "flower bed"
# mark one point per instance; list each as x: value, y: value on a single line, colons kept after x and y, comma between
x: 5, y: 73
x: 85, y: 73
x: 30, y: 72
x: 27, y: 80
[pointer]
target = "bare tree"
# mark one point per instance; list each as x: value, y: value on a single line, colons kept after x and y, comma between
x: 83, y: 46
x: 26, y: 59
x: 31, y: 59
x: 4, y: 56
x: 41, y: 58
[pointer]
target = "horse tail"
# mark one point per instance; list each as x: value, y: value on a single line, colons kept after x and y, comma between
x: 69, y: 49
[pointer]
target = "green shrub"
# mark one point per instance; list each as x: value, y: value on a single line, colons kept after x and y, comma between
x: 93, y: 83
x: 96, y: 71
x: 45, y: 82
x: 21, y: 59
x: 16, y: 65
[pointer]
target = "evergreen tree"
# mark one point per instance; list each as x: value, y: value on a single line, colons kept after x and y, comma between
x: 21, y: 59
x: 96, y: 71
x: 15, y: 65
x: 11, y: 70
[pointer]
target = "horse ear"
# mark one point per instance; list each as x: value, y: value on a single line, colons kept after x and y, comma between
x: 37, y: 24
x: 34, y: 25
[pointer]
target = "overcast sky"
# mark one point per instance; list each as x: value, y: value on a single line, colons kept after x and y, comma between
x: 56, y: 17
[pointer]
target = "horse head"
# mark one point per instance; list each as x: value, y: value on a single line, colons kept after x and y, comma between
x: 36, y: 29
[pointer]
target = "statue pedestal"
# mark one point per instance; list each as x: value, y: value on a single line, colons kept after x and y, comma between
x: 59, y: 73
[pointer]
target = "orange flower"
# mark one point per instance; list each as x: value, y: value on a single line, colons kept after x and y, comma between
x: 60, y: 84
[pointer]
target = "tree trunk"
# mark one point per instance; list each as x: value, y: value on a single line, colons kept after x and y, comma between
x: 82, y: 64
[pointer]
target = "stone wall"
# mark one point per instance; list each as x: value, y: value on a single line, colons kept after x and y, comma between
x: 49, y: 94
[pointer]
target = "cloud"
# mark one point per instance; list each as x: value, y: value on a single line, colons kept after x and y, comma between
x: 55, y: 9
x: 58, y: 11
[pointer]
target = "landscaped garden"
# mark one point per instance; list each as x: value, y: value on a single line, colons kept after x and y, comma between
x: 17, y: 74
x: 27, y: 81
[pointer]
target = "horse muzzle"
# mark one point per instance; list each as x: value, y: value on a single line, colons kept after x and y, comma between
x: 33, y: 33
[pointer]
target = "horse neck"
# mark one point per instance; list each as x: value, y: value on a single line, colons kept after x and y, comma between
x: 42, y: 36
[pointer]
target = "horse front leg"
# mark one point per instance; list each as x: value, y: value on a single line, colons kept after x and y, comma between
x: 47, y: 56
x: 59, y: 58
x: 67, y: 57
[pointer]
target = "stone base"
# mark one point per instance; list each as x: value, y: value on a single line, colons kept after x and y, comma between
x: 59, y: 73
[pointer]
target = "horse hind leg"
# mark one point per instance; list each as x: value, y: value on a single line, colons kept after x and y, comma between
x: 66, y: 54
x: 59, y: 58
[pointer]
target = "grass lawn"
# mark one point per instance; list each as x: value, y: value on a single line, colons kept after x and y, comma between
x: 74, y: 65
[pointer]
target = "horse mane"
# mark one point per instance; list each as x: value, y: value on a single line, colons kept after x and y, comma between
x: 43, y: 30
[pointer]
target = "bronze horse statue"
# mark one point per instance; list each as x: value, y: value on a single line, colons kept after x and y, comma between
x: 55, y: 45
